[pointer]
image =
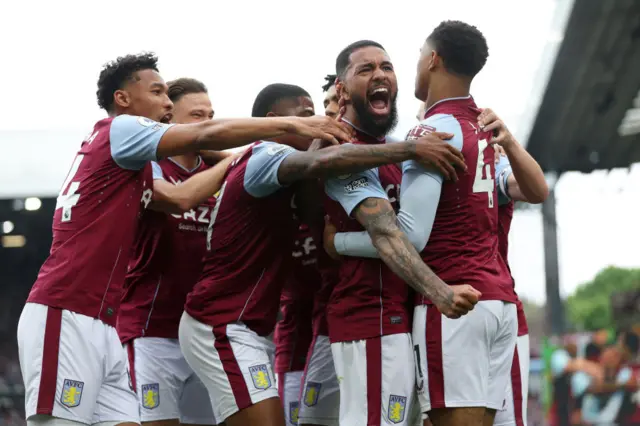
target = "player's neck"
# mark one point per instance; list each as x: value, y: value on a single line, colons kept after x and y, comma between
x: 450, y: 87
x: 188, y: 161
x: 351, y: 116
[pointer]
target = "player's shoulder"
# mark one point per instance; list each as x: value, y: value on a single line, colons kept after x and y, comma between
x: 440, y: 122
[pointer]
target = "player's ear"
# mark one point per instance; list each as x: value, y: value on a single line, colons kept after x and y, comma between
x: 342, y: 91
x: 434, y: 60
x: 121, y: 98
x: 271, y: 114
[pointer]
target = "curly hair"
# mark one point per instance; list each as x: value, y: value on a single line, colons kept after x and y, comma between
x: 116, y: 73
x: 330, y: 81
x: 461, y: 46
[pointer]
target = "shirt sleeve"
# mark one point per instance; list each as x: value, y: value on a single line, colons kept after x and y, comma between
x: 503, y: 171
x: 559, y: 361
x: 436, y: 123
x: 352, y: 189
x: 415, y: 218
x: 261, y: 175
x: 156, y: 171
x: 134, y: 140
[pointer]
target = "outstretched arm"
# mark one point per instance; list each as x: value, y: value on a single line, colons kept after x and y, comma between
x: 220, y: 134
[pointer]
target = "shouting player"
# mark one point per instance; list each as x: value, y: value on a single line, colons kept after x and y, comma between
x: 518, y: 178
x: 166, y: 263
x: 233, y: 308
x: 368, y: 315
x: 73, y: 364
x: 463, y: 366
x: 331, y: 108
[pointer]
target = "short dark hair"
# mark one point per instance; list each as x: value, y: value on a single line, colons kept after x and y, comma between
x: 462, y: 47
x: 273, y: 93
x: 344, y: 58
x: 114, y: 74
x: 185, y: 86
x: 330, y: 81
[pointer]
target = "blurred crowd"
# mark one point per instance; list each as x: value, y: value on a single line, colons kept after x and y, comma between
x: 11, y: 388
x: 594, y: 380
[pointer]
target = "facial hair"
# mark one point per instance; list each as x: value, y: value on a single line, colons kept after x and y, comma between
x: 369, y: 123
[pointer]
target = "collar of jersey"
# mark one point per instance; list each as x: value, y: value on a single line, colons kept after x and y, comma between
x: 461, y: 98
x: 199, y: 162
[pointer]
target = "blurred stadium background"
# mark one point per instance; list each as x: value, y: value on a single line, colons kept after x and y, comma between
x: 582, y: 117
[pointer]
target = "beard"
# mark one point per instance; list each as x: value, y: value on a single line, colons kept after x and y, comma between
x: 375, y: 126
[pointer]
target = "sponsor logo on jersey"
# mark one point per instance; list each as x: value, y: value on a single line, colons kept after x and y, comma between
x: 311, y: 394
x: 71, y: 393
x: 277, y: 149
x: 294, y: 410
x: 357, y: 184
x: 150, y: 395
x: 260, y: 376
x: 395, y: 411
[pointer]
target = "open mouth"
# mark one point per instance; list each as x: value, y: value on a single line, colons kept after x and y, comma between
x: 166, y: 118
x: 379, y: 100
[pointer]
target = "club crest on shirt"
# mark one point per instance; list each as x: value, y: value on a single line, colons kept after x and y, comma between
x: 357, y: 184
x: 146, y: 122
x: 260, y: 376
x: 150, y: 395
x: 294, y: 410
x: 311, y: 394
x: 71, y: 393
x: 419, y: 131
x: 397, y: 405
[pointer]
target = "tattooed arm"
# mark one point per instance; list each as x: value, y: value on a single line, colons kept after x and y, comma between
x: 395, y: 249
x: 347, y: 158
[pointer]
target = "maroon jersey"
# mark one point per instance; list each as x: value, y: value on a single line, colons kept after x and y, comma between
x: 166, y: 263
x: 463, y: 245
x: 249, y: 238
x: 505, y: 215
x: 368, y: 300
x: 95, y: 218
x: 328, y: 269
x: 293, y: 333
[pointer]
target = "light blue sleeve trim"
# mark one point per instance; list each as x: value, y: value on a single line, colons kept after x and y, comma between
x: 503, y: 171
x: 261, y: 174
x: 580, y: 382
x: 419, y: 197
x: 559, y: 361
x: 156, y: 171
x: 134, y: 140
x: 350, y: 190
x: 436, y: 123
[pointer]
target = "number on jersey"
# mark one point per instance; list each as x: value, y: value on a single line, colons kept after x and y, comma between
x: 68, y: 197
x: 483, y: 182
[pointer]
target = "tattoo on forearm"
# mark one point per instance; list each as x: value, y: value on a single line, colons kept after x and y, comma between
x: 336, y: 160
x: 395, y: 249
